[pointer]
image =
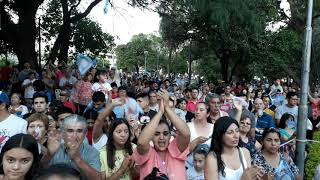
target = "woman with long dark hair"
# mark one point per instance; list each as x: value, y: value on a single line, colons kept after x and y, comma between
x: 19, y: 158
x: 226, y: 160
x: 273, y: 163
x: 116, y: 160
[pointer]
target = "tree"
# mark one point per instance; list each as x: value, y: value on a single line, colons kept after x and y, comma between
x: 89, y: 38
x: 66, y: 13
x: 132, y: 55
x: 20, y: 35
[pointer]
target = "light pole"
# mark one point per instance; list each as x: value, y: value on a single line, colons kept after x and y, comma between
x: 190, y: 60
x: 145, y: 61
x: 39, y: 26
x: 303, y: 108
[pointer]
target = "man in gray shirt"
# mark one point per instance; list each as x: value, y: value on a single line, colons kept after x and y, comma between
x: 73, y: 151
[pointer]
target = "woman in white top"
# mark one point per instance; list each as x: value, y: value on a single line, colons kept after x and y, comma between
x: 226, y: 161
x: 200, y: 130
x: 16, y: 107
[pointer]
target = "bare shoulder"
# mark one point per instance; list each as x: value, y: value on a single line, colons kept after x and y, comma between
x: 245, y: 151
x: 211, y: 157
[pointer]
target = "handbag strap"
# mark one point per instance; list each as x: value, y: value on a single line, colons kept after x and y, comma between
x: 241, y: 159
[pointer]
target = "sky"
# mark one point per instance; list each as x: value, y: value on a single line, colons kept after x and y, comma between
x: 124, y: 21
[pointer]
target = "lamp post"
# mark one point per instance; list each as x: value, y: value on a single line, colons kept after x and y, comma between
x: 145, y: 61
x: 190, y: 59
x: 303, y: 108
x: 39, y: 26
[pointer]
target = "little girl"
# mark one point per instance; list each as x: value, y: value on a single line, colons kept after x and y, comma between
x: 196, y: 172
x: 101, y: 84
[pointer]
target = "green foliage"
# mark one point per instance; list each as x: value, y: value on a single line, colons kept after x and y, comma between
x: 131, y: 56
x: 276, y: 54
x: 224, y: 29
x: 86, y: 36
x: 3, y: 62
x: 313, y: 159
x: 209, y: 68
x: 89, y: 37
x: 51, y: 21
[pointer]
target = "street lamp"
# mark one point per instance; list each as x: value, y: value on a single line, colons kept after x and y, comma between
x: 190, y: 32
x: 145, y: 61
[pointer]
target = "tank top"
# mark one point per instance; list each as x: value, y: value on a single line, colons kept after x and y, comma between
x: 194, y: 133
x: 234, y: 174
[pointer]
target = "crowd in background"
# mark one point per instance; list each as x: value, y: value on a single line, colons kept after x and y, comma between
x: 107, y: 125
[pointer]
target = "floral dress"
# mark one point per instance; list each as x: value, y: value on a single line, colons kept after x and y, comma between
x: 285, y: 170
x: 82, y: 93
x: 250, y: 145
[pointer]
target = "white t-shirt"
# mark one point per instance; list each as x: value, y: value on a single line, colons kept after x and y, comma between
x: 29, y: 90
x: 155, y: 108
x: 293, y: 111
x: 24, y: 110
x: 286, y: 109
x: 105, y: 88
x: 101, y: 143
x: 11, y: 126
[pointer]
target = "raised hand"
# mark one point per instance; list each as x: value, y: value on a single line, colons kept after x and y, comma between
x: 163, y: 94
x: 127, y: 162
x: 200, y: 140
x: 118, y: 102
x: 53, y: 142
x: 238, y: 106
x: 252, y: 173
x: 73, y: 149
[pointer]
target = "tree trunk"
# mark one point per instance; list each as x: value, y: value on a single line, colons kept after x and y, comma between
x: 61, y: 46
x: 224, y: 63
x: 22, y: 35
x: 169, y: 59
x: 27, y: 36
x: 64, y: 46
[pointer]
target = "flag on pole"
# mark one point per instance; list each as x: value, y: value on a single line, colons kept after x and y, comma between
x: 106, y: 6
x: 84, y: 63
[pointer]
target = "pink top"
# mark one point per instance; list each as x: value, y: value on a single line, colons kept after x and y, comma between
x: 82, y: 92
x: 173, y: 166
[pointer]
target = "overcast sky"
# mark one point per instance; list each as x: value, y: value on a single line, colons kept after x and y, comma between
x: 124, y: 21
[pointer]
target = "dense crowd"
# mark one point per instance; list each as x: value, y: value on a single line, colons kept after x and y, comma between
x: 106, y: 125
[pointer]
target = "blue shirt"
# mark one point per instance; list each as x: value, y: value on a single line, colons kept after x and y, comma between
x: 130, y: 107
x: 88, y: 154
x: 264, y: 122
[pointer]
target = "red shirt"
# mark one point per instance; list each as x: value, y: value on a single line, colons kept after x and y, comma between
x: 191, y: 106
x: 6, y: 73
x: 89, y: 136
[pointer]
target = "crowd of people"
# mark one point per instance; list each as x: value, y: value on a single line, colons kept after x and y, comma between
x: 103, y: 125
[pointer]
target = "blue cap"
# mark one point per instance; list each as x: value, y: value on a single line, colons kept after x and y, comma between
x: 4, y: 98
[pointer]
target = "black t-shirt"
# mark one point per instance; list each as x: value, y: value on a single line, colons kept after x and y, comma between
x: 147, y: 116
